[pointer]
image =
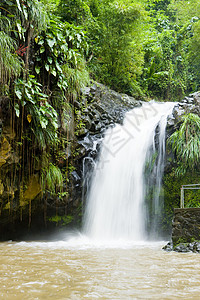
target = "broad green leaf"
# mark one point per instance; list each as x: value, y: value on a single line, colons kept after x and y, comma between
x: 25, y: 13
x: 47, y: 67
x: 17, y: 111
x: 41, y: 42
x: 55, y: 124
x: 51, y: 42
x: 42, y: 49
x: 50, y: 60
x: 58, y: 67
x: 42, y: 95
x: 19, y: 27
x: 64, y: 48
x: 53, y: 72
x: 19, y: 6
x: 37, y: 69
x: 29, y: 96
x: 43, y: 122
x: 18, y: 94
x: 60, y: 36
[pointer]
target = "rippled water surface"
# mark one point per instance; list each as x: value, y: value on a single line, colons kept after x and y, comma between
x: 80, y: 269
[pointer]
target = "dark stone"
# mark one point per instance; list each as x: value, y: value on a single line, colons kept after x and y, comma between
x: 182, y: 247
x: 87, y: 122
x: 186, y: 229
x: 168, y: 247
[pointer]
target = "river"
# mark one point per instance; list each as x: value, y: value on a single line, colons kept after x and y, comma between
x: 77, y: 268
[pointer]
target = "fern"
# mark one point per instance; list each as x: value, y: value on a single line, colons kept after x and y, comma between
x: 185, y: 143
x: 51, y: 178
x: 10, y: 64
x: 77, y: 76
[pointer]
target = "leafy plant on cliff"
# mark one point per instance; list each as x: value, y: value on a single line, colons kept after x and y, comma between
x: 185, y: 143
x: 37, y: 110
x: 51, y: 178
x: 10, y: 63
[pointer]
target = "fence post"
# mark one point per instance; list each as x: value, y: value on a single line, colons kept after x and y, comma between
x: 182, y: 197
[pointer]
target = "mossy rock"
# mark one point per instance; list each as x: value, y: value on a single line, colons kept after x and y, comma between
x: 33, y: 189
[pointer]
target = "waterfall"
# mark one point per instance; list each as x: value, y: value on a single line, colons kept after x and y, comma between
x: 115, y: 206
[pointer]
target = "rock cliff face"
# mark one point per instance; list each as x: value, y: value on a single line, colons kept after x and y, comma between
x: 186, y: 225
x: 185, y: 230
x: 189, y: 104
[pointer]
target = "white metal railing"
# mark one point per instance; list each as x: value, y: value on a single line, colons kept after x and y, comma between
x: 188, y: 187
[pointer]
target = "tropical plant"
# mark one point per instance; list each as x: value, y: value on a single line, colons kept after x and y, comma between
x: 38, y: 112
x: 60, y: 49
x: 185, y: 143
x: 10, y: 63
x: 74, y: 11
x: 117, y: 52
x: 51, y: 178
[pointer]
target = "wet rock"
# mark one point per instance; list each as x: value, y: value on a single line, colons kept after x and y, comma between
x: 182, y: 247
x: 33, y: 189
x: 168, y: 247
x: 87, y: 122
x: 178, y: 111
x: 75, y: 175
x: 81, y: 132
x: 171, y: 120
x: 196, y: 97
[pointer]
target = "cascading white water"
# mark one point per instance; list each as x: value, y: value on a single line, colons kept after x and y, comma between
x: 115, y: 206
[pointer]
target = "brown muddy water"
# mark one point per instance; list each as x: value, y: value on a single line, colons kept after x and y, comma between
x: 78, y: 268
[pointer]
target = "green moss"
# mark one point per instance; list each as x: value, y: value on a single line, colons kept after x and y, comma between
x: 171, y: 186
x: 181, y: 240
x: 61, y: 220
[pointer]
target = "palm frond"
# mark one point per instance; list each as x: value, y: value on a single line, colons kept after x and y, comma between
x: 10, y: 64
x: 51, y: 178
x: 185, y: 143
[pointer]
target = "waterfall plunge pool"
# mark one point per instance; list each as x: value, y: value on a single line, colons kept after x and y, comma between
x: 78, y: 268
x: 113, y: 261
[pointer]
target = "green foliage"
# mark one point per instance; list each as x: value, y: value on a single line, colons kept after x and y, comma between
x: 172, y: 191
x: 187, y: 18
x: 74, y: 11
x: 51, y: 178
x: 40, y: 114
x: 31, y: 13
x: 10, y: 64
x: 166, y: 68
x: 78, y: 77
x: 185, y: 143
x: 185, y: 10
x: 58, y: 57
x: 51, y: 5
x: 118, y: 53
x: 61, y: 220
x: 134, y: 46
